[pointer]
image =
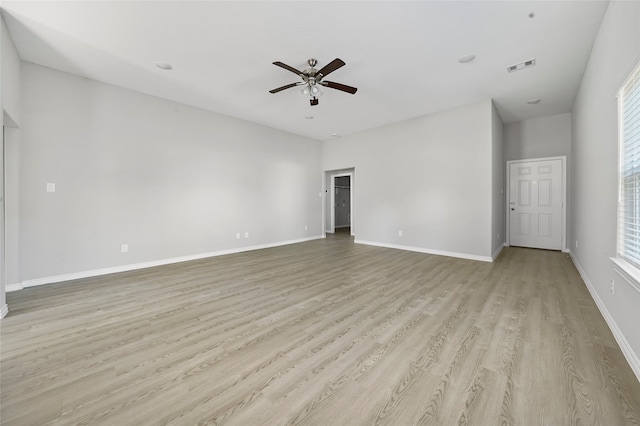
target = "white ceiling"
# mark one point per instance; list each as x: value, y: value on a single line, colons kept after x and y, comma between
x: 402, y: 56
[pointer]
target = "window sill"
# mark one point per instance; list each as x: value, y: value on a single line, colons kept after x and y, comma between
x: 627, y: 271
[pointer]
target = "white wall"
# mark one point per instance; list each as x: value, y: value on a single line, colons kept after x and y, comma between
x: 595, y: 173
x: 167, y: 179
x: 498, y: 188
x: 430, y: 177
x: 538, y: 138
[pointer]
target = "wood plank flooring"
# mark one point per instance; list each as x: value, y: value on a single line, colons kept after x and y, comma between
x: 325, y: 332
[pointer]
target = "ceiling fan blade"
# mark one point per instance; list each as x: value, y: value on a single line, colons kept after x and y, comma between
x: 339, y: 86
x: 331, y: 67
x: 288, y: 86
x: 287, y: 67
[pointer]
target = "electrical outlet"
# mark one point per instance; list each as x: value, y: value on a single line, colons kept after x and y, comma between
x: 576, y: 243
x: 613, y: 286
x: 306, y: 228
x: 237, y: 235
x: 51, y: 187
x: 498, y: 236
x: 246, y: 234
x: 124, y: 248
x: 400, y: 233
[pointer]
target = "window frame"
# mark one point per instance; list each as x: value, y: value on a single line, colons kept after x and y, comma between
x: 624, y: 260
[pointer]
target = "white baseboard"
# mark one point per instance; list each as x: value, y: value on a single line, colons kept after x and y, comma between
x: 13, y: 287
x: 427, y: 251
x: 625, y: 347
x: 4, y: 311
x: 497, y: 253
x: 143, y: 265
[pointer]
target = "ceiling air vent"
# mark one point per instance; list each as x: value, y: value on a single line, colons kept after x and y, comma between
x: 521, y: 65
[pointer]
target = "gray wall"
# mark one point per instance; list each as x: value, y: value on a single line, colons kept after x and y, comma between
x: 430, y: 177
x: 10, y: 77
x: 10, y: 116
x: 538, y: 138
x: 167, y: 179
x: 3, y: 303
x: 595, y: 173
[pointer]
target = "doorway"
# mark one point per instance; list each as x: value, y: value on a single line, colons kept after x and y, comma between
x: 342, y: 205
x: 339, y: 205
x: 536, y: 203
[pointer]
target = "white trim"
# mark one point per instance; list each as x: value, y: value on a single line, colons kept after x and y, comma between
x: 4, y: 311
x: 497, y: 252
x: 625, y: 347
x: 628, y: 272
x: 427, y: 251
x: 563, y: 231
x: 125, y: 268
x: 13, y: 287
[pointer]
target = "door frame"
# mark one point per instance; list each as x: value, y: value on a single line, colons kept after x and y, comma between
x: 332, y: 199
x: 563, y: 197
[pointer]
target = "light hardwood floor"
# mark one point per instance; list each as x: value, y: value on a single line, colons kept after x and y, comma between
x: 321, y: 333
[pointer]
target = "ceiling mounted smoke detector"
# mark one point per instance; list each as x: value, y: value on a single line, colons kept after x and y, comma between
x: 521, y: 65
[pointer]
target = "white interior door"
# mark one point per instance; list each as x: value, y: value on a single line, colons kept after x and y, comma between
x: 535, y: 204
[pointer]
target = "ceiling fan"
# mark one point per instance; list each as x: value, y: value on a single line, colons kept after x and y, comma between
x: 312, y: 78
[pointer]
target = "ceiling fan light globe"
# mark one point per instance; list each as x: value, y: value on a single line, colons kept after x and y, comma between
x: 306, y: 91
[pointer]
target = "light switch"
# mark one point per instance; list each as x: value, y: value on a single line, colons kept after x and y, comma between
x: 51, y: 187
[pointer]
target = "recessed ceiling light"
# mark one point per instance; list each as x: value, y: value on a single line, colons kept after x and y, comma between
x: 533, y: 101
x: 532, y: 15
x: 334, y: 135
x: 466, y: 59
x: 164, y: 66
x: 309, y: 117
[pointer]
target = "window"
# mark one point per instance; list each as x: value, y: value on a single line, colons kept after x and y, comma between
x: 629, y: 197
